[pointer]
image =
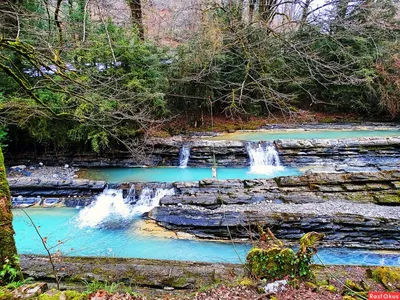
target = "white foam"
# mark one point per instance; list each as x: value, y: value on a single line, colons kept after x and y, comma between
x: 263, y: 159
x: 111, y: 208
x: 184, y: 155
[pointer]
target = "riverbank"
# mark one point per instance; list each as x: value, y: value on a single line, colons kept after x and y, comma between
x: 38, y: 170
x: 349, y: 152
x: 153, y: 279
x: 357, y: 210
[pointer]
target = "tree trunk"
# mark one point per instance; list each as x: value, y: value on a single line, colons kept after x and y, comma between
x: 9, y: 19
x: 266, y: 9
x: 137, y: 16
x: 252, y: 5
x: 261, y: 7
x: 8, y: 250
x: 304, y: 14
x: 342, y: 10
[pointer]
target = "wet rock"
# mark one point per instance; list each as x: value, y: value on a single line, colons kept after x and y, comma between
x: 388, y: 277
x: 137, y: 272
x: 49, y: 202
x: 275, y: 287
x: 349, y: 224
x: 356, y: 154
x: 18, y: 168
x: 78, y: 202
x: 23, y: 202
x: 29, y: 291
x: 32, y: 187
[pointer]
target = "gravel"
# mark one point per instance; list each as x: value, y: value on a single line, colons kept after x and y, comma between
x: 324, y: 208
x: 44, y: 172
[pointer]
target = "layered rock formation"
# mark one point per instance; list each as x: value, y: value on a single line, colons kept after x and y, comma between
x: 356, y: 154
x: 353, y: 210
x: 28, y: 191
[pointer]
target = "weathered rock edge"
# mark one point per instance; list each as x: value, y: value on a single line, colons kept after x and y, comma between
x: 353, y: 210
x: 363, y: 187
x: 28, y: 191
x: 22, y: 183
x: 233, y: 153
x: 140, y: 272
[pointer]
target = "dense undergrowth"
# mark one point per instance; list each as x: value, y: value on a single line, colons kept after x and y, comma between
x: 102, y: 91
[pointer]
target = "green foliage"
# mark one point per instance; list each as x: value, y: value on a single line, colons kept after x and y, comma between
x: 104, y: 101
x: 9, y: 271
x: 113, y: 287
x: 122, y: 86
x: 249, y: 71
x: 67, y: 295
x: 274, y: 261
x: 5, y: 294
x: 3, y: 137
x: 357, y: 290
x: 16, y: 284
x: 388, y: 277
x: 235, y: 67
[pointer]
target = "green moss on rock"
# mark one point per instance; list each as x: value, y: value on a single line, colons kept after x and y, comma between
x: 347, y: 297
x: 271, y: 263
x: 353, y: 286
x: 246, y: 282
x: 67, y: 295
x: 8, y: 250
x: 5, y: 294
x: 357, y: 290
x: 311, y: 286
x: 330, y: 288
x: 388, y: 277
x: 388, y: 199
x: 271, y: 260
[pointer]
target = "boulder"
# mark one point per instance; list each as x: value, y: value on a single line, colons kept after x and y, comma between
x: 29, y: 291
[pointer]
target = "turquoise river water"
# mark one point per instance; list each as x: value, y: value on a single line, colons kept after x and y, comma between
x: 171, y: 174
x: 266, y: 135
x: 61, y: 228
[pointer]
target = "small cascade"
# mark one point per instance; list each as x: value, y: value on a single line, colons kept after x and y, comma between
x: 111, y: 210
x: 184, y: 154
x: 150, y: 198
x: 131, y: 195
x: 264, y: 159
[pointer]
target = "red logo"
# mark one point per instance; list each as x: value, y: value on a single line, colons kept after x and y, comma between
x: 384, y: 296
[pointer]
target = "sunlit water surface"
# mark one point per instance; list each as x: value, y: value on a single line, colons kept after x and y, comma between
x: 265, y: 135
x: 171, y: 174
x: 60, y: 227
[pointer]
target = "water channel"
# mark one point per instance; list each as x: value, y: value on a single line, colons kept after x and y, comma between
x: 112, y: 225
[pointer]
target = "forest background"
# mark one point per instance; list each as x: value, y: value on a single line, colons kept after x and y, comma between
x: 96, y: 75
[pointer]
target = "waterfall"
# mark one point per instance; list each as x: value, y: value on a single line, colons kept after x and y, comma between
x: 150, y: 198
x: 264, y: 159
x: 112, y: 210
x: 184, y: 154
x: 131, y: 195
x: 108, y: 207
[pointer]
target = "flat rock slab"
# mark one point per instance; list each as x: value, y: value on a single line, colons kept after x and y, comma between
x: 140, y: 272
x: 344, y: 223
x: 38, y: 183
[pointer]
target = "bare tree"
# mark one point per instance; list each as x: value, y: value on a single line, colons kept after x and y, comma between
x: 137, y: 16
x: 306, y: 8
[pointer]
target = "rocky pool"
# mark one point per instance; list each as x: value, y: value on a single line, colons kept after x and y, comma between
x: 271, y: 135
x: 65, y: 233
x: 347, y: 188
x: 171, y: 174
